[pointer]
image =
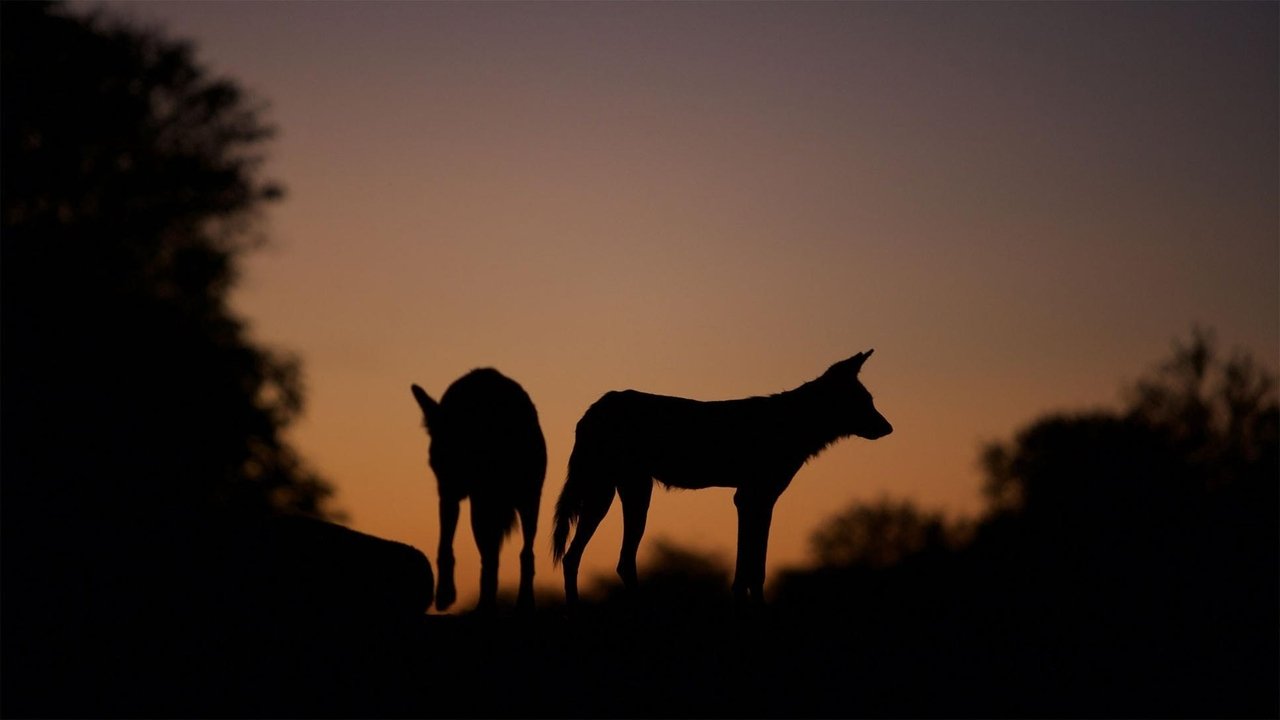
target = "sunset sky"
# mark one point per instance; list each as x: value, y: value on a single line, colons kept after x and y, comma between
x: 1018, y: 205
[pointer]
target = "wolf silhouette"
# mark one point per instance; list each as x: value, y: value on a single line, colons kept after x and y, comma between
x: 486, y: 444
x: 628, y: 439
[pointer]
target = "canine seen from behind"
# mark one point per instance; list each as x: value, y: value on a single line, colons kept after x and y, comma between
x: 486, y: 444
x: 628, y: 439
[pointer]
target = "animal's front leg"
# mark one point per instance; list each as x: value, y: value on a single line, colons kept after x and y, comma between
x: 446, y: 592
x: 755, y: 513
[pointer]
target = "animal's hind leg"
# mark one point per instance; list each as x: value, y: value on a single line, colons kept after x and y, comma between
x: 529, y: 528
x: 635, y: 494
x: 488, y: 531
x: 594, y: 507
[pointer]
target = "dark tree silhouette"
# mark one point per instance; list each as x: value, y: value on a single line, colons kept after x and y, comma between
x: 1195, y: 446
x: 1152, y: 531
x: 1220, y: 414
x: 141, y: 432
x: 131, y: 189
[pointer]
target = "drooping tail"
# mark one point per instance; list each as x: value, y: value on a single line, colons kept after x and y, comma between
x: 568, y: 506
x: 590, y: 454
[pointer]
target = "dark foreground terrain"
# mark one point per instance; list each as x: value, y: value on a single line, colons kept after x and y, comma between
x: 276, y: 636
x: 605, y: 665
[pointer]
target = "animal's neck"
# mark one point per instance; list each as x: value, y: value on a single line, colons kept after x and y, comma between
x: 811, y: 427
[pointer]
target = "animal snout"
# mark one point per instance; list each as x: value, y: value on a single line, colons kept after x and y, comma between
x: 879, y: 429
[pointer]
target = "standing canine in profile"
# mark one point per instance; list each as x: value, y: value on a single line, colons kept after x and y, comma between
x: 486, y: 444
x: 628, y: 439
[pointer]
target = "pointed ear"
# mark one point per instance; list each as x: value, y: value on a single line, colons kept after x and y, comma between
x: 429, y: 407
x: 855, y: 362
x: 851, y: 365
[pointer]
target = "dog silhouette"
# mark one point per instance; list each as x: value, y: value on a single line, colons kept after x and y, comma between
x: 486, y: 445
x: 628, y: 439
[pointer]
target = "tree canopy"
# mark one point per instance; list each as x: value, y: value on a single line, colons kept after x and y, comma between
x: 142, y: 435
x: 1199, y: 432
x: 133, y: 186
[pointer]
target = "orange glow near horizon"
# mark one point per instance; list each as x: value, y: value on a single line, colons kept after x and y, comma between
x: 1018, y: 206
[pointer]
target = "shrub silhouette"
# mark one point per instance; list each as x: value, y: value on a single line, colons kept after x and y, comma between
x: 677, y: 581
x: 879, y: 535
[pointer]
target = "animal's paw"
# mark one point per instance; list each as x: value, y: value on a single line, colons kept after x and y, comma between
x: 445, y: 594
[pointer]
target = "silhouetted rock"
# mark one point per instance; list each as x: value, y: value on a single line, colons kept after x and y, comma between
x: 329, y: 574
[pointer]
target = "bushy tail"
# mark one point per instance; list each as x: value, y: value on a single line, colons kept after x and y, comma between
x: 568, y: 506
x: 591, y: 439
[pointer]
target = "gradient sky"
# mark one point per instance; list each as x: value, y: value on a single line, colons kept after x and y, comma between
x: 1018, y: 205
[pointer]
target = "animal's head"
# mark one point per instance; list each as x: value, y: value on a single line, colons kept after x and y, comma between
x: 445, y: 456
x: 434, y: 420
x: 855, y: 412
